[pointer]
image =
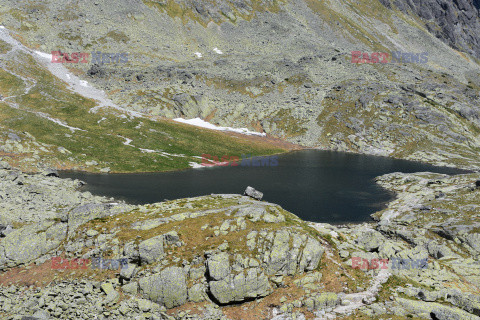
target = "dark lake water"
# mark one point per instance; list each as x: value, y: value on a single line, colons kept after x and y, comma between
x: 319, y: 186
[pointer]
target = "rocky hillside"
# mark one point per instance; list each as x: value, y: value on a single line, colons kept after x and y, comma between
x: 50, y: 118
x: 456, y: 23
x: 234, y: 257
x: 282, y: 67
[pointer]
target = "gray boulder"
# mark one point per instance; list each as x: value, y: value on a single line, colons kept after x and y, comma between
x: 241, y: 287
x: 171, y: 238
x: 473, y: 240
x: 128, y: 271
x: 130, y: 250
x: 226, y: 287
x: 280, y: 253
x: 251, y: 192
x: 151, y: 250
x: 169, y: 287
x: 303, y: 255
x: 197, y: 293
x: 312, y: 253
x: 218, y: 266
x: 42, y: 315
x: 30, y: 242
x: 370, y: 240
x: 130, y: 288
x: 5, y: 165
x: 5, y: 230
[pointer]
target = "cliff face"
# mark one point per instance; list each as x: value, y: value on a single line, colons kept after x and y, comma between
x: 455, y: 22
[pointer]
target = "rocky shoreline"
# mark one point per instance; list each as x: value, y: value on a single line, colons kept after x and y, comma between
x: 232, y: 257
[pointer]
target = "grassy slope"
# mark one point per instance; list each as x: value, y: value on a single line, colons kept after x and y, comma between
x: 101, y: 141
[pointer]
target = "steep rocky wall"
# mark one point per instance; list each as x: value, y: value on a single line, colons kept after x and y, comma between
x: 457, y: 22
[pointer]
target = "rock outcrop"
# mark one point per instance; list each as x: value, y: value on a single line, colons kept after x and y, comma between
x: 169, y: 287
x: 233, y: 251
x: 456, y: 22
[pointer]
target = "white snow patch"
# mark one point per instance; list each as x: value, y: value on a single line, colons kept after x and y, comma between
x: 2, y: 27
x: 147, y: 150
x: 217, y: 50
x: 200, y: 123
x: 101, y: 120
x: 198, y: 54
x: 195, y: 165
x: 59, y: 122
x: 44, y: 55
x: 81, y: 87
x: 214, y: 164
x: 166, y: 154
x: 84, y: 83
x: 127, y: 141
